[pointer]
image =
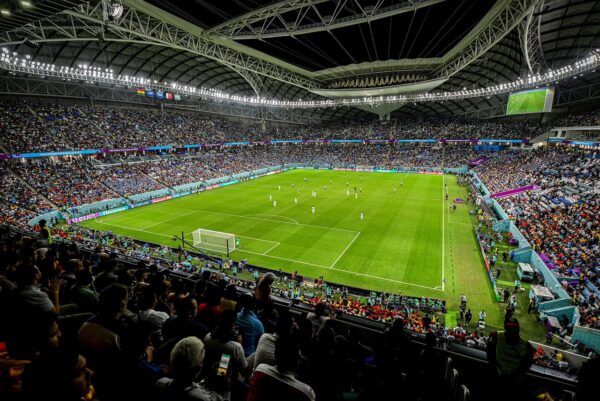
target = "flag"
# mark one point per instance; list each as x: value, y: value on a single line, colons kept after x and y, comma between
x: 140, y: 91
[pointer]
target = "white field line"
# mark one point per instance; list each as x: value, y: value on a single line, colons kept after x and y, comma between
x: 272, y: 215
x: 280, y: 258
x: 325, y: 194
x: 345, y: 249
x: 259, y: 239
x: 443, y: 235
x: 276, y: 221
x: 136, y: 229
x: 289, y: 260
x: 165, y: 221
x: 271, y: 248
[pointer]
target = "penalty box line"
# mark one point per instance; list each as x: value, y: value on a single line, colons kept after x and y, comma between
x: 289, y: 260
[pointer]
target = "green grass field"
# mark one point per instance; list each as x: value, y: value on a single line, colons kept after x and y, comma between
x: 408, y: 241
x: 531, y: 101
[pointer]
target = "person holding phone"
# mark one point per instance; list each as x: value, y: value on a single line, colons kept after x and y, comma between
x: 225, y: 340
x: 187, y: 359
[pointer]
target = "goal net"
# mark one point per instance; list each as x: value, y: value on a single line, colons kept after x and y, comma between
x: 214, y: 240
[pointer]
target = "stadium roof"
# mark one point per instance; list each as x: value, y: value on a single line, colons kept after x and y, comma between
x: 315, y: 49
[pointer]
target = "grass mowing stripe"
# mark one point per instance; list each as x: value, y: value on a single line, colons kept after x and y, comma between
x: 345, y: 249
x: 397, y: 249
x: 166, y: 221
x: 443, y: 235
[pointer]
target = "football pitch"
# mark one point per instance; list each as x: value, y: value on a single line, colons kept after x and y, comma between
x: 408, y: 241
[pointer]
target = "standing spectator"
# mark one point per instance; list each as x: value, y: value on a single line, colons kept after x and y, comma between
x: 45, y: 235
x: 248, y: 325
x: 506, y: 295
x: 510, y: 356
x: 317, y: 318
x: 517, y: 285
x: 498, y: 272
x: 426, y: 322
x: 531, y: 305
x: 265, y: 350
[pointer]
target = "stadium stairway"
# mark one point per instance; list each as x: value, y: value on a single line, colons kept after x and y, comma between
x: 112, y: 190
x: 32, y: 111
x: 31, y: 188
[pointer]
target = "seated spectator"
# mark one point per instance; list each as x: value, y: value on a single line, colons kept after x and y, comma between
x: 100, y: 339
x: 225, y: 340
x: 187, y: 359
x: 184, y: 323
x: 147, y: 313
x: 275, y: 383
x: 60, y: 375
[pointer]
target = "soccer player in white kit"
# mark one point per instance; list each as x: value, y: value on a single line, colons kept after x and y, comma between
x: 270, y: 198
x: 296, y: 201
x: 362, y: 216
x: 313, y: 210
x: 275, y: 203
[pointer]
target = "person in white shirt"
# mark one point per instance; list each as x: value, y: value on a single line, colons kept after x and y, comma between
x: 147, y: 302
x: 265, y: 350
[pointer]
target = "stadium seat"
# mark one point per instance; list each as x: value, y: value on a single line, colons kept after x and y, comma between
x: 463, y: 394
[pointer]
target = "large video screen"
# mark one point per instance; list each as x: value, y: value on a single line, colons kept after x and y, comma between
x: 530, y: 101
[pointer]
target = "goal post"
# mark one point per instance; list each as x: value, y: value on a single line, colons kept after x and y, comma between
x: 214, y: 240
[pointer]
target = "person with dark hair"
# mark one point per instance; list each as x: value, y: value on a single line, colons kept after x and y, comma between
x: 225, y: 340
x: 248, y: 325
x: 265, y: 350
x: 138, y: 355
x: 265, y: 309
x: 184, y: 324
x: 509, y: 355
x: 209, y: 310
x: 276, y: 383
x: 81, y: 292
x: 61, y: 375
x: 318, y: 317
x: 107, y: 276
x: 395, y: 353
x: 33, y: 299
x: 35, y: 336
x: 45, y: 235
x: 431, y: 370
x: 147, y: 313
x: 100, y: 339
x: 229, y: 298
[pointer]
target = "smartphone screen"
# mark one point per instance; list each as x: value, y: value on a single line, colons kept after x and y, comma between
x: 223, y: 365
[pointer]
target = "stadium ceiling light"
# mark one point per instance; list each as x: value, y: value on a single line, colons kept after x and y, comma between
x: 26, y: 4
x: 86, y: 73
